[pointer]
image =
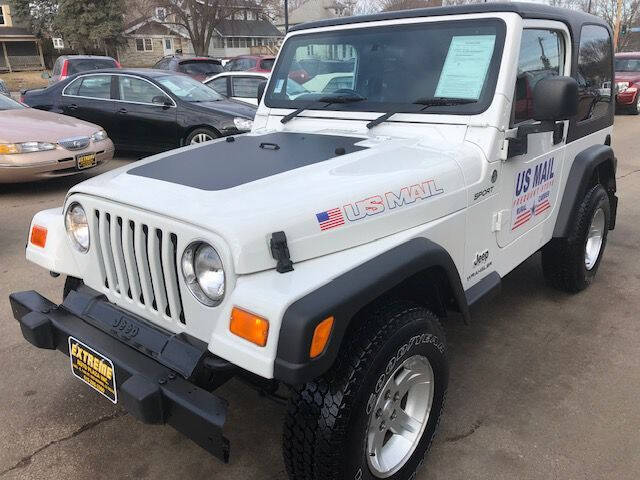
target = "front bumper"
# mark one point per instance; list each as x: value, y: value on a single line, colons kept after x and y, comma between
x: 626, y: 98
x: 157, y: 374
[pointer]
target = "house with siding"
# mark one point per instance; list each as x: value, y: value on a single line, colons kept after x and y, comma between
x: 19, y: 48
x: 148, y: 39
x: 312, y: 10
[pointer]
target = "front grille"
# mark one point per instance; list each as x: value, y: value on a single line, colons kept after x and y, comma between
x: 74, y: 143
x: 139, y: 262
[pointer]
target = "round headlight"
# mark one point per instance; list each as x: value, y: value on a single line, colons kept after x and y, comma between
x: 77, y: 226
x: 203, y: 273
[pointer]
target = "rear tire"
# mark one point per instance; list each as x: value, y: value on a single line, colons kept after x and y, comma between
x: 571, y: 263
x: 635, y: 108
x: 334, y: 423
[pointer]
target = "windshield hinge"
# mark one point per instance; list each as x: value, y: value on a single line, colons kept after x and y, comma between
x: 280, y: 252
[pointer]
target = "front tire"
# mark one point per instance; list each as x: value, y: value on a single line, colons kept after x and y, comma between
x: 200, y: 135
x: 570, y: 264
x: 375, y: 413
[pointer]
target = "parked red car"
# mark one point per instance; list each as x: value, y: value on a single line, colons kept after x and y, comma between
x: 250, y: 63
x: 627, y: 66
x: 68, y: 65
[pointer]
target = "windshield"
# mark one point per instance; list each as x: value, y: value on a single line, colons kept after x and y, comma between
x: 627, y: 64
x: 188, y: 89
x: 200, y: 67
x: 8, y: 104
x: 389, y: 68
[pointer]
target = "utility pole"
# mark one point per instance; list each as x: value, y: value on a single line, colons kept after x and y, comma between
x: 286, y: 16
x: 616, y: 29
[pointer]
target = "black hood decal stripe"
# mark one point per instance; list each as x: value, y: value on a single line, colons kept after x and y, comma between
x: 223, y: 165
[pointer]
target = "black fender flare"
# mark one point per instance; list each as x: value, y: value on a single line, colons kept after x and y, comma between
x: 344, y: 296
x: 582, y: 171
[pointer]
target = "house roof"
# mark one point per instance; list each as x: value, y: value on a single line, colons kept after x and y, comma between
x: 15, y: 31
x: 247, y: 28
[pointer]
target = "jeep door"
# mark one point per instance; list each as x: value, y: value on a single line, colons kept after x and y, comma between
x: 530, y: 182
x: 145, y: 114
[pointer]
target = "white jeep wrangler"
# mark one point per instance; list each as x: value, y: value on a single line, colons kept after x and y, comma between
x: 322, y: 250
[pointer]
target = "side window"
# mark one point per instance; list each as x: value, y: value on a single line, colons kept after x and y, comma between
x: 541, y: 56
x: 220, y: 86
x: 594, y: 72
x: 94, y: 86
x: 138, y: 90
x: 246, y: 87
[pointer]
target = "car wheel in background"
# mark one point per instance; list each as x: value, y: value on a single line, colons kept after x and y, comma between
x: 201, y: 135
x: 635, y: 108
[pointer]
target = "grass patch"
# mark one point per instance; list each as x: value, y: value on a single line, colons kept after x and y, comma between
x: 17, y: 81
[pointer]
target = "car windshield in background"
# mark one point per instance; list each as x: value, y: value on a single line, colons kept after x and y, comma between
x: 200, y: 67
x: 380, y: 69
x: 267, y: 64
x: 86, y: 64
x: 188, y: 89
x: 8, y: 104
x: 627, y: 64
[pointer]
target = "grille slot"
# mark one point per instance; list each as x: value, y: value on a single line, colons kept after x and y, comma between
x: 139, y: 263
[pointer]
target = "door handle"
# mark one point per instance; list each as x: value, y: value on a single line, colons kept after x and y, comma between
x: 123, y: 111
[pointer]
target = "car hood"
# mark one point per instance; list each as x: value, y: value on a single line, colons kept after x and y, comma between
x: 230, y: 107
x: 29, y: 124
x: 631, y: 77
x: 327, y: 192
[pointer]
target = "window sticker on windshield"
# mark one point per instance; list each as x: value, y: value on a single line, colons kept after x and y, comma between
x: 279, y: 85
x: 466, y: 66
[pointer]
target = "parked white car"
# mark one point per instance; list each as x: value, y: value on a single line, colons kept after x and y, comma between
x: 330, y: 82
x: 244, y: 86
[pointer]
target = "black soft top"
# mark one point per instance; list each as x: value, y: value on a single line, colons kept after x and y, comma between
x: 572, y: 18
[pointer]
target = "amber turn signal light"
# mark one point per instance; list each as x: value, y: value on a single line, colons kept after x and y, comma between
x: 249, y: 326
x: 321, y: 337
x: 39, y: 236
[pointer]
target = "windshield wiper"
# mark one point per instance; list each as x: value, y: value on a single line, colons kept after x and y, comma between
x: 328, y: 100
x: 426, y: 102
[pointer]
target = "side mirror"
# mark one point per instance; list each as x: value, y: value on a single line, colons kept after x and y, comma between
x: 555, y: 99
x: 45, y: 75
x: 261, y: 89
x: 161, y: 100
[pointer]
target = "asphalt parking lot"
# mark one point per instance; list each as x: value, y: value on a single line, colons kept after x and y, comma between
x: 543, y: 385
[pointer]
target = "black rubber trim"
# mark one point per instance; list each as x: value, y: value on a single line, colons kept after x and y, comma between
x: 486, y: 288
x: 150, y: 391
x: 347, y: 294
x: 223, y: 165
x: 581, y: 173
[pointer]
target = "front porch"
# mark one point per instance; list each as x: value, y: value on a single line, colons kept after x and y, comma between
x: 20, y: 54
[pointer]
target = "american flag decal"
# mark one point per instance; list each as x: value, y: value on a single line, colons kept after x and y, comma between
x: 330, y: 219
x: 521, y: 219
x: 542, y: 206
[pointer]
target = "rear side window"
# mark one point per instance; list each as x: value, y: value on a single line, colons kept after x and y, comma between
x: 94, y: 86
x: 541, y: 56
x: 85, y: 65
x: 594, y: 72
x: 57, y: 68
x: 246, y: 87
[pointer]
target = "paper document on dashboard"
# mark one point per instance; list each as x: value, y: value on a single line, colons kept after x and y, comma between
x: 466, y: 66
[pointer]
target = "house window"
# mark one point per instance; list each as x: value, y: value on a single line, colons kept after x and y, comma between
x: 251, y: 15
x: 239, y: 15
x: 161, y: 13
x: 1, y: 14
x: 144, y: 44
x: 58, y: 43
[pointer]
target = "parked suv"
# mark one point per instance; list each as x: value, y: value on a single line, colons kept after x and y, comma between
x: 324, y: 250
x: 68, y: 65
x: 199, y: 68
x: 628, y: 81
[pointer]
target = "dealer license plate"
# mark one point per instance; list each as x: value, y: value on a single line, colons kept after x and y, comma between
x: 86, y: 161
x: 93, y: 368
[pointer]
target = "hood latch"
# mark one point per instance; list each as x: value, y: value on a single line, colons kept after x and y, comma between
x: 280, y: 252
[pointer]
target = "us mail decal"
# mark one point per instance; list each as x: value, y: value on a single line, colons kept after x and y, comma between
x: 533, y: 193
x: 390, y: 201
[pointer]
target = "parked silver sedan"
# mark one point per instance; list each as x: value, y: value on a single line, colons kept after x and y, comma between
x: 37, y: 145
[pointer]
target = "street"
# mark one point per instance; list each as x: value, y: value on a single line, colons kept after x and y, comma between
x: 543, y: 385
